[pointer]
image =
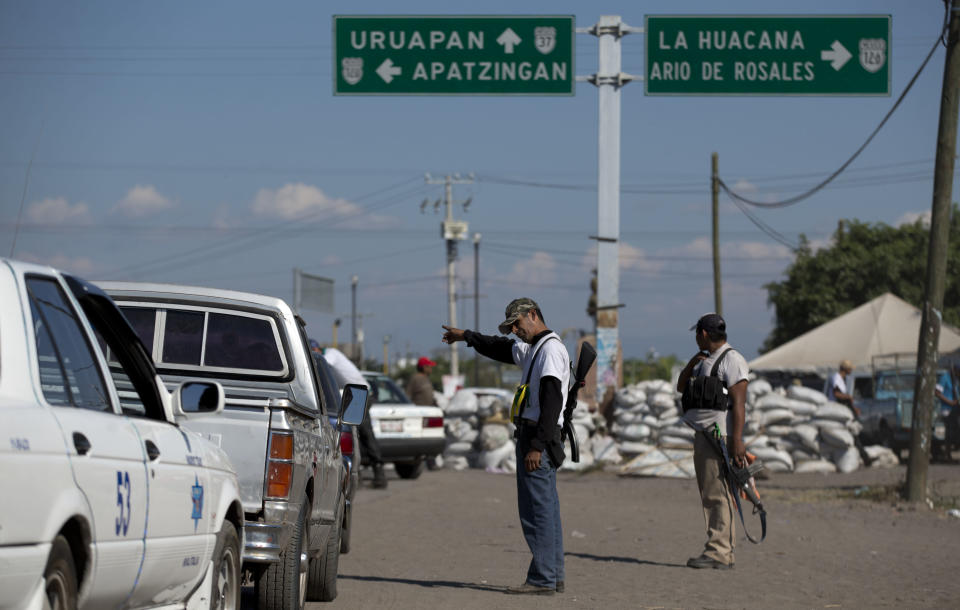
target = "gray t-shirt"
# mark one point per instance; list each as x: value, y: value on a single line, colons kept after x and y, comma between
x: 732, y: 370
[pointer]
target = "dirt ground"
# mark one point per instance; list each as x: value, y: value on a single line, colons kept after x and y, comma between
x: 452, y: 540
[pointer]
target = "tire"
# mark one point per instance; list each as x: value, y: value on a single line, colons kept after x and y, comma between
x: 60, y: 576
x: 283, y: 586
x: 225, y: 593
x: 322, y: 574
x: 409, y: 471
x: 345, y: 531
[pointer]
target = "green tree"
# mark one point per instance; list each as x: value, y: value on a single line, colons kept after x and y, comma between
x: 864, y: 261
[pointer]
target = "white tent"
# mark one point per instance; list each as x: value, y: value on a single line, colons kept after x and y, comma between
x: 885, y: 325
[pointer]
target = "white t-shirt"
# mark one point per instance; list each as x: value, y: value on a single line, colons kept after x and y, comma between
x: 552, y: 361
x: 836, y: 382
x: 346, y: 371
x: 732, y: 370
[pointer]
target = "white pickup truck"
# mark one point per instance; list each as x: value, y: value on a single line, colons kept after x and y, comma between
x: 275, y: 426
x: 101, y: 507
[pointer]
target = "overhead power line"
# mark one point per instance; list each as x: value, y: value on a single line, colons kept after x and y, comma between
x: 798, y: 198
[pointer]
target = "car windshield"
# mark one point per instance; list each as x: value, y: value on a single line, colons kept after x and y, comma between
x: 385, y: 391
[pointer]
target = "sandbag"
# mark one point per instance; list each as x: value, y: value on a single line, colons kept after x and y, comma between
x: 882, y: 457
x: 604, y: 450
x: 837, y: 437
x: 807, y: 435
x: 827, y: 423
x: 771, y: 455
x: 586, y: 460
x: 635, y: 432
x: 815, y: 466
x: 625, y: 418
x: 803, y: 455
x: 494, y: 436
x: 779, y: 430
x: 653, y: 386
x: 634, y: 447
x: 671, y: 413
x: 847, y: 460
x: 772, y: 401
x: 458, y: 448
x: 834, y: 411
x: 650, y: 420
x: 457, y: 428
x: 807, y: 394
x: 462, y: 403
x: 674, y: 442
x: 775, y: 416
x: 492, y: 458
x: 777, y: 467
x: 681, y: 430
x: 661, y: 401
x: 759, y: 387
x: 456, y: 462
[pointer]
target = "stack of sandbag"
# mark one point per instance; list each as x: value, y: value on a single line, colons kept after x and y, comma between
x: 797, y: 429
x: 642, y: 413
x: 461, y: 435
x: 497, y: 450
x: 587, y: 427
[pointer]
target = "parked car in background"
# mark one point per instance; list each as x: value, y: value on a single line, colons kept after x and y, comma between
x: 887, y: 413
x: 275, y: 427
x: 349, y: 448
x: 408, y: 434
x: 103, y: 505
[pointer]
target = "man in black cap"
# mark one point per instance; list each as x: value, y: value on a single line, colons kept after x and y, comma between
x: 546, y: 374
x: 721, y: 424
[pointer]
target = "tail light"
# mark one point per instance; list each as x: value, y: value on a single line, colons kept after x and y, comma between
x: 432, y: 422
x: 346, y: 443
x: 280, y: 465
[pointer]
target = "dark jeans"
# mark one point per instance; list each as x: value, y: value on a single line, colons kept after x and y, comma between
x: 539, y: 507
x: 369, y: 447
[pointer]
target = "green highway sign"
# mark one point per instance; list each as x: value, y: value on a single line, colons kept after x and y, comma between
x: 768, y: 55
x: 456, y: 55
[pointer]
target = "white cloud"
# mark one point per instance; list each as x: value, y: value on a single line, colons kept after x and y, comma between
x: 57, y: 210
x: 911, y: 217
x: 299, y: 200
x: 744, y: 186
x: 539, y: 269
x: 143, y: 200
x: 80, y: 266
x: 630, y: 259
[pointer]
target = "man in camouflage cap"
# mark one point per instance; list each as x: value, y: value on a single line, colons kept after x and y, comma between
x: 546, y: 374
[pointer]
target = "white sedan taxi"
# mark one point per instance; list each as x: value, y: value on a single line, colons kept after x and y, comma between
x: 408, y: 434
x: 102, y: 504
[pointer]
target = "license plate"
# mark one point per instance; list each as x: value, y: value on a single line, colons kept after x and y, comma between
x: 391, y: 425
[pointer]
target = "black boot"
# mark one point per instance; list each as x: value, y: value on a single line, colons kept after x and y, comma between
x: 379, y: 477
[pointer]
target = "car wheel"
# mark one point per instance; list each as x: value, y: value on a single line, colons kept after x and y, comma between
x: 226, y: 565
x: 283, y: 586
x: 60, y: 577
x: 322, y: 575
x: 409, y: 471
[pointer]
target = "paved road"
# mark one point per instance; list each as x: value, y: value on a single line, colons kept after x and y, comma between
x: 452, y: 540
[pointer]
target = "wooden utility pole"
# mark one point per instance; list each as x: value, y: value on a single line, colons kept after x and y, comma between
x: 715, y: 191
x: 929, y: 341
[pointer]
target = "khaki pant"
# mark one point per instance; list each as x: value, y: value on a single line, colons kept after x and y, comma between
x: 717, y: 503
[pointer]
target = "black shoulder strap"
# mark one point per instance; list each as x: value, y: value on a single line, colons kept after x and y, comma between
x: 716, y: 365
x: 534, y: 358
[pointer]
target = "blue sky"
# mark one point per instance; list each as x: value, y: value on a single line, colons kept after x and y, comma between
x: 201, y: 143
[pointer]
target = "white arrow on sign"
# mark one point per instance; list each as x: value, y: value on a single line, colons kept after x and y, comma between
x: 508, y: 40
x: 387, y: 70
x: 837, y: 56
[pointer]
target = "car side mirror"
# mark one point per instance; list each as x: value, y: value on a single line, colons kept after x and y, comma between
x: 198, y: 398
x: 353, y: 403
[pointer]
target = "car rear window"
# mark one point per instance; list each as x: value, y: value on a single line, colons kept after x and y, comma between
x: 239, y: 342
x: 386, y: 392
x: 215, y: 339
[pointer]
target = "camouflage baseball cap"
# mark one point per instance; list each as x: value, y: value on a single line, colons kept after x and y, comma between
x: 515, y: 309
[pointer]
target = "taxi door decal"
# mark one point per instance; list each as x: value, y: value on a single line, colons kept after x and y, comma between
x: 196, y: 494
x: 122, y: 522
